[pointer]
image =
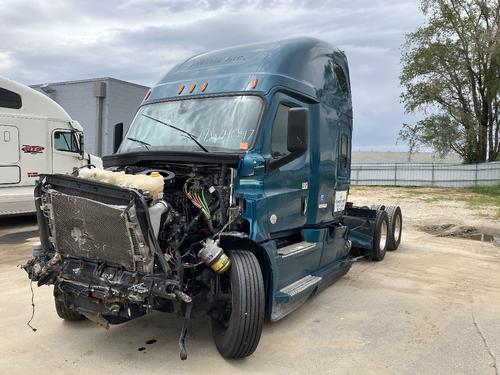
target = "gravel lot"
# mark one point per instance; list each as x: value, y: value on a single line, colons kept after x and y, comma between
x: 433, y: 306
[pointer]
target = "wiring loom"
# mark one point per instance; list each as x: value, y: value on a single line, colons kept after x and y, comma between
x: 196, y: 195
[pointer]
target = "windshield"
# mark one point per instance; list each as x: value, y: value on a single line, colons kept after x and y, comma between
x: 212, y: 124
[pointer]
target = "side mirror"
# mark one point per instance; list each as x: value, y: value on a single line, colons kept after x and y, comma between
x: 117, y: 136
x: 298, y: 129
x: 82, y: 148
x: 297, y: 137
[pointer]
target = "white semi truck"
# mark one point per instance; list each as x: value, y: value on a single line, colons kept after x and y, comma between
x: 37, y: 136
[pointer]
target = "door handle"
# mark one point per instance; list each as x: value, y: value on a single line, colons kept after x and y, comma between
x: 303, y: 205
x: 6, y: 136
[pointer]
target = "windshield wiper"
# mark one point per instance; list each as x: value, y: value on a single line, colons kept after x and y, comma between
x: 192, y: 137
x: 145, y: 144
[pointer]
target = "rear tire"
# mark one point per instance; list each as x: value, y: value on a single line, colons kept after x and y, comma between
x: 238, y: 335
x: 380, y: 236
x: 62, y: 309
x: 395, y: 227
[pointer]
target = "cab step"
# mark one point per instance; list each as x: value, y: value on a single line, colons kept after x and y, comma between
x: 300, y: 286
x: 296, y: 248
x: 292, y: 296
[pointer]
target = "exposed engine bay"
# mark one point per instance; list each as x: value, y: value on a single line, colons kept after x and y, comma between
x: 185, y: 211
x: 119, y: 243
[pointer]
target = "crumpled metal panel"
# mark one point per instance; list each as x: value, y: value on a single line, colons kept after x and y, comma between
x: 96, y: 231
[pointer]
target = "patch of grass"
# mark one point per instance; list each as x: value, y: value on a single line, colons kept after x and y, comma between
x: 485, y: 196
x: 412, y: 192
x: 481, y: 201
x: 433, y: 199
x: 493, y: 191
x: 428, y: 195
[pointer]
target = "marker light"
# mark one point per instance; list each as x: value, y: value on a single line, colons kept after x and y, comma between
x: 204, y: 87
x: 193, y: 86
x: 148, y: 94
x: 181, y: 89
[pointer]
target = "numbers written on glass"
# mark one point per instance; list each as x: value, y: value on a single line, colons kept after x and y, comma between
x: 213, y: 135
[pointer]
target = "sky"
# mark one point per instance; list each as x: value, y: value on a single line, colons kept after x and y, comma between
x: 140, y: 40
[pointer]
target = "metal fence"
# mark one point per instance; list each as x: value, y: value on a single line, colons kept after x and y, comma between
x: 413, y: 174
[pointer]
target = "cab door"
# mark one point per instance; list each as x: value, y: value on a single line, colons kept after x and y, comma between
x: 286, y: 181
x: 10, y: 173
x: 9, y: 144
x: 65, y: 151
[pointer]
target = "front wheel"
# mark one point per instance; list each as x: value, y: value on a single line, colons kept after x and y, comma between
x: 62, y: 308
x: 239, y: 317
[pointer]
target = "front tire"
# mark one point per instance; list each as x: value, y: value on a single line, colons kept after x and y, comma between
x: 238, y: 328
x: 62, y: 308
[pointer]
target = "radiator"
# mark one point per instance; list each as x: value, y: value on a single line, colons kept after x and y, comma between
x: 86, y: 228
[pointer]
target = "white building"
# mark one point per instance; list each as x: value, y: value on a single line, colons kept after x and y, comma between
x: 97, y: 104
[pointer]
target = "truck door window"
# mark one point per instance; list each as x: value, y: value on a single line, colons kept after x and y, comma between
x: 344, y: 151
x: 10, y: 99
x: 66, y: 141
x: 279, y: 134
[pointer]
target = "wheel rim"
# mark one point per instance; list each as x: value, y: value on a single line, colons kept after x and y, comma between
x: 383, y: 235
x: 397, y: 228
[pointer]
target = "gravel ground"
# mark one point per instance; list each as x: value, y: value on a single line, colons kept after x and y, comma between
x: 432, y: 306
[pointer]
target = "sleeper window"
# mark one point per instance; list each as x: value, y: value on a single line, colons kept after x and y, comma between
x: 10, y: 99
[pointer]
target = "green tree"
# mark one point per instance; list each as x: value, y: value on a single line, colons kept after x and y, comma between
x: 451, y: 75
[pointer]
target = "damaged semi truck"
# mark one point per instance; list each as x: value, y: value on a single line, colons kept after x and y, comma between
x: 227, y: 196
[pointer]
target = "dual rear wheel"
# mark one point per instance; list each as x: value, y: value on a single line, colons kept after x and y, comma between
x: 395, y: 227
x: 388, y: 230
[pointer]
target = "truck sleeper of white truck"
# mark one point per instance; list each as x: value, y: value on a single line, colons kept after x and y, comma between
x: 37, y: 136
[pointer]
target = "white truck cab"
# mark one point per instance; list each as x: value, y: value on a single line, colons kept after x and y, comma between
x: 37, y: 136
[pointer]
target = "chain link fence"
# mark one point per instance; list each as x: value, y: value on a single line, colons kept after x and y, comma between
x: 426, y: 174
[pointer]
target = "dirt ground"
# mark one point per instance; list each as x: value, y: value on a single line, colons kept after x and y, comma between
x: 433, y: 306
x: 439, y: 211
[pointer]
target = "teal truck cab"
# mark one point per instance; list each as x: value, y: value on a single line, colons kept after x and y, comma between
x: 227, y: 195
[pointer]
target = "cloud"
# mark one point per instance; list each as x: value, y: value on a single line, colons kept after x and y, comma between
x: 140, y: 40
x: 6, y: 62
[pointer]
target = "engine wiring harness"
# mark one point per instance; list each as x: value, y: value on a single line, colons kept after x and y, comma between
x: 195, y: 192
